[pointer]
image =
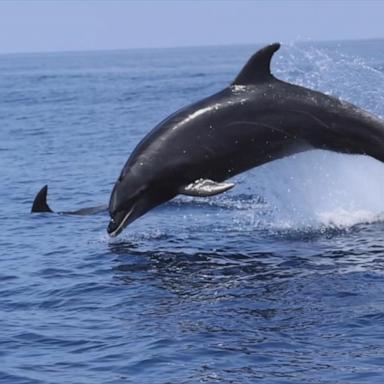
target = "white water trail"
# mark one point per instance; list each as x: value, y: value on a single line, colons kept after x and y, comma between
x: 319, y: 189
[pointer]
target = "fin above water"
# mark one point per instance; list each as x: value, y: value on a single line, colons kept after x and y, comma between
x: 40, y: 202
x: 40, y: 205
x: 258, y: 67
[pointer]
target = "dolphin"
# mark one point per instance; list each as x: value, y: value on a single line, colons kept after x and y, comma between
x: 40, y: 205
x: 256, y: 119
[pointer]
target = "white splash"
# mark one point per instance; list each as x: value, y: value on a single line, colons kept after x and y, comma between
x: 319, y: 188
x: 342, y: 218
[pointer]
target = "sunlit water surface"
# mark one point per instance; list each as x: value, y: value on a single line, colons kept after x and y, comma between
x: 280, y: 280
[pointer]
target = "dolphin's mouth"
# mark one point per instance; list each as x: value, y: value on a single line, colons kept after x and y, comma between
x: 115, y: 225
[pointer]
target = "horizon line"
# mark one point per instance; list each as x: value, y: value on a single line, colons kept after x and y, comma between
x: 295, y: 41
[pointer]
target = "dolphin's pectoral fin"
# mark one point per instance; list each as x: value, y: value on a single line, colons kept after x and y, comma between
x: 204, y: 188
x: 40, y: 202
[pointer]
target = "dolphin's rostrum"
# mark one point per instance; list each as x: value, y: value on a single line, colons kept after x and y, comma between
x: 256, y: 119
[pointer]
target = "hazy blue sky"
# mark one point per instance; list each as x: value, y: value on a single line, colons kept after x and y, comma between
x: 28, y: 26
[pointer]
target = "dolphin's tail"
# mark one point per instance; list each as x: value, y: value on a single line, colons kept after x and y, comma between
x: 40, y: 202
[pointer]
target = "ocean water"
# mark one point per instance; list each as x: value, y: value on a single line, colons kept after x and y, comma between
x: 280, y: 280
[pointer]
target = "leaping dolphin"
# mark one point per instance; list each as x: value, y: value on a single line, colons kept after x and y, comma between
x: 256, y: 119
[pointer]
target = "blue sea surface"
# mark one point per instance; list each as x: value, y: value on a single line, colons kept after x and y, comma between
x: 280, y: 280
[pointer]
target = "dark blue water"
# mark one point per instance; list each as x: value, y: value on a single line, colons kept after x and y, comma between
x: 280, y: 280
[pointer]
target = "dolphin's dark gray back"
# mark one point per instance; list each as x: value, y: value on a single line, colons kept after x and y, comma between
x: 40, y: 205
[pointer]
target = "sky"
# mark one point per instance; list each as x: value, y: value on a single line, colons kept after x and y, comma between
x: 68, y: 25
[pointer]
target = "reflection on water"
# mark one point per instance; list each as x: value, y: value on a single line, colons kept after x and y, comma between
x: 275, y: 310
x: 283, y: 255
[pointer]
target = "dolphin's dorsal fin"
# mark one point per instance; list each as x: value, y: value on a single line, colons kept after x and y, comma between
x: 40, y: 202
x: 258, y: 67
